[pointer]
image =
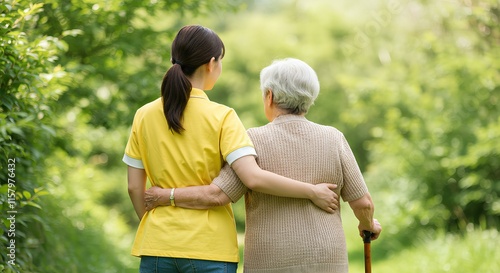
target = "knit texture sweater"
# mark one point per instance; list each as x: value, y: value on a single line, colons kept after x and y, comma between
x: 290, y: 234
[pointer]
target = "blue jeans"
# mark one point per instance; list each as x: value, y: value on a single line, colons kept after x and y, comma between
x: 151, y: 264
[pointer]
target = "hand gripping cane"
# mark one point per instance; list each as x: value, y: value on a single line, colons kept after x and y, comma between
x: 367, y: 238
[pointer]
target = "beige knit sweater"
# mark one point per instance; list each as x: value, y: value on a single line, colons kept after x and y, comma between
x: 288, y: 234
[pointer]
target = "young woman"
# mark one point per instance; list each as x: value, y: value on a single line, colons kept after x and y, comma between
x: 183, y: 136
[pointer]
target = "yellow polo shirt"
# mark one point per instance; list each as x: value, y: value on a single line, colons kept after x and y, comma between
x: 213, y: 134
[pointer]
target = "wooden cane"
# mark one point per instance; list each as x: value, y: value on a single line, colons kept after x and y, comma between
x: 367, y: 238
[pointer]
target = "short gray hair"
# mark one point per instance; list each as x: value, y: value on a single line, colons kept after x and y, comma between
x: 294, y: 84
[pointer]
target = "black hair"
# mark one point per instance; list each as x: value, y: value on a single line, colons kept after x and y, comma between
x: 192, y: 47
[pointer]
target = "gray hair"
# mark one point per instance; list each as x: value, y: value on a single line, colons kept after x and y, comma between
x: 294, y: 84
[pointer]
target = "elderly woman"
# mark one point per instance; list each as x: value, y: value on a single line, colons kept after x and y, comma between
x: 290, y: 234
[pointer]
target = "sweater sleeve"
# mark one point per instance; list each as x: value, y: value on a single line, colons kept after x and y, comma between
x: 354, y: 186
x: 230, y: 183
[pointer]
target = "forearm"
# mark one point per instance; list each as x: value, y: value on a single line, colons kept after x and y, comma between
x: 273, y: 184
x: 363, y: 210
x: 200, y: 197
x: 196, y: 197
x: 136, y: 189
x: 137, y: 198
x: 270, y: 183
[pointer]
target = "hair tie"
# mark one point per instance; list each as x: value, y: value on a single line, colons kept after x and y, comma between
x: 174, y: 61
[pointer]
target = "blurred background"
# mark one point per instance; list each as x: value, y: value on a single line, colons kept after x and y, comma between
x: 413, y: 84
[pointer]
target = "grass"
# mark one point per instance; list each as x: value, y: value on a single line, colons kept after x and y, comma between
x: 478, y: 251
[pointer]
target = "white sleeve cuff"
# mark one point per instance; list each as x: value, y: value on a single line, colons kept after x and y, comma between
x: 241, y: 152
x: 132, y: 162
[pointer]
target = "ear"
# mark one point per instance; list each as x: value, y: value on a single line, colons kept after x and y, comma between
x: 269, y: 97
x: 211, y: 64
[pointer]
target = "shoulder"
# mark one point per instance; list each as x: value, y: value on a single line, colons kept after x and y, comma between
x: 327, y: 129
x: 331, y: 133
x: 148, y: 112
x: 310, y: 124
x: 221, y: 108
x: 261, y: 130
x: 203, y: 104
x: 221, y: 112
x: 149, y: 107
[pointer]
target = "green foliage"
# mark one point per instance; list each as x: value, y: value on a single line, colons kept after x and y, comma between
x: 63, y: 65
x: 84, y: 234
x: 118, y: 51
x: 28, y: 84
x: 445, y: 119
x: 418, y: 102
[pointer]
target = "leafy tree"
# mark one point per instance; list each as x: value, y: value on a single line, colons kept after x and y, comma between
x: 64, y: 65
x: 417, y: 102
x: 437, y: 140
x: 28, y: 86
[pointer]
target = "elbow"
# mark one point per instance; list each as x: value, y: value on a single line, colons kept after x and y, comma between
x: 209, y: 202
x: 252, y: 184
x: 215, y: 202
x: 216, y: 197
x: 252, y: 181
x: 249, y: 172
x: 133, y: 189
x: 364, y: 203
x: 367, y: 204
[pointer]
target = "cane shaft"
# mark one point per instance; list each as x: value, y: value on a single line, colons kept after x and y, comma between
x: 368, y: 258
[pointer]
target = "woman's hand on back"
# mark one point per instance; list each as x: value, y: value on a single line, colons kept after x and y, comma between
x: 325, y: 198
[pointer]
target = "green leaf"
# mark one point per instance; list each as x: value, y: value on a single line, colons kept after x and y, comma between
x: 4, y: 189
x: 27, y: 194
x: 72, y: 32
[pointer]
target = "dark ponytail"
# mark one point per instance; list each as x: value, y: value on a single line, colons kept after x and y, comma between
x: 193, y: 47
x: 175, y: 90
